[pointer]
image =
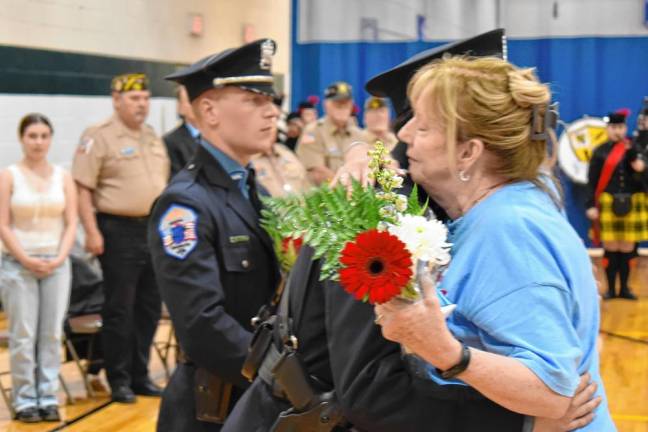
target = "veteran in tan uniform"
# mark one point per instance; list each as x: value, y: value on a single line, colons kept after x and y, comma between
x: 377, y: 123
x: 280, y: 172
x: 322, y: 145
x: 121, y: 167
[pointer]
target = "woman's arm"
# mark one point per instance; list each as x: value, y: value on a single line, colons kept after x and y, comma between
x: 71, y: 218
x: 507, y: 381
x: 37, y: 266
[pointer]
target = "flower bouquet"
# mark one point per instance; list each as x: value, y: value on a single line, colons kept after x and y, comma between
x: 375, y: 242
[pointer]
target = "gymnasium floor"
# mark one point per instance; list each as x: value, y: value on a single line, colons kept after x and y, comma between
x: 624, y: 366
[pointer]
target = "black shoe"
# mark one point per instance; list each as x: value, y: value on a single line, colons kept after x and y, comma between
x: 50, y: 414
x: 28, y: 415
x: 123, y: 394
x: 628, y: 295
x: 147, y: 388
x: 608, y: 295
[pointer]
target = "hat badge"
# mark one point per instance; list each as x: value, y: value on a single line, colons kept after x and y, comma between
x: 267, y: 51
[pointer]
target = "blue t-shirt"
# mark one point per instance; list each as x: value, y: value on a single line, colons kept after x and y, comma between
x: 523, y: 285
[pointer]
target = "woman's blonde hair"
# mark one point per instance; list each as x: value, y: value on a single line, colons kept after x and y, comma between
x: 491, y: 100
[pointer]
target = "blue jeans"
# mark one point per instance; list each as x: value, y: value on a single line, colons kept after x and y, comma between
x: 36, y: 309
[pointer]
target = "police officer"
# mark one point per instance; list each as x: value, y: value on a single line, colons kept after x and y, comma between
x: 121, y: 167
x: 377, y: 123
x: 280, y: 172
x: 322, y: 145
x: 342, y: 349
x: 182, y: 141
x: 215, y: 265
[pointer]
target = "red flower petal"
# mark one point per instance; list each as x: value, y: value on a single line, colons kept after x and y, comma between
x: 376, y: 265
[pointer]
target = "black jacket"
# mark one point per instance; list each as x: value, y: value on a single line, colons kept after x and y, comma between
x: 341, y: 346
x: 214, y: 290
x: 623, y: 180
x: 181, y: 147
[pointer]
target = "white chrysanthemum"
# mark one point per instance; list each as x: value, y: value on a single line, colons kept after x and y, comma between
x: 425, y: 239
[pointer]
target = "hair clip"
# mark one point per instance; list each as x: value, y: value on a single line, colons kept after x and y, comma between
x: 539, y: 129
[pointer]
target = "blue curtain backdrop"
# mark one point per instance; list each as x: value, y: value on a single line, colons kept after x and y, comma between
x: 588, y: 75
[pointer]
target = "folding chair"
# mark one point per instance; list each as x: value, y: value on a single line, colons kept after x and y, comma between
x: 83, y: 326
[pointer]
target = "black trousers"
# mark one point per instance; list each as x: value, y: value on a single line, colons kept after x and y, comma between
x: 132, y: 304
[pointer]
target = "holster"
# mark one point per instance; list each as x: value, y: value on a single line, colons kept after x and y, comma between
x: 257, y: 350
x: 321, y: 417
x: 212, y: 395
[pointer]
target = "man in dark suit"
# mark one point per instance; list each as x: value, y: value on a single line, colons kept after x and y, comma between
x: 182, y: 141
x: 214, y: 264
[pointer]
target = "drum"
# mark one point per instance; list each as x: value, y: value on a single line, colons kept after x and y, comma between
x: 576, y: 145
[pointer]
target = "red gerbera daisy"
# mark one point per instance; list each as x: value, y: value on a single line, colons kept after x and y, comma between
x: 377, y: 266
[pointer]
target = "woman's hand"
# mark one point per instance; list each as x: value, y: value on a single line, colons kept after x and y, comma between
x: 356, y: 166
x: 57, y: 262
x: 421, y: 327
x: 592, y: 213
x: 37, y: 266
x: 580, y: 412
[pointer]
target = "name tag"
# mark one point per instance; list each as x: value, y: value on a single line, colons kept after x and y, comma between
x: 239, y: 239
x: 334, y: 151
x: 127, y: 151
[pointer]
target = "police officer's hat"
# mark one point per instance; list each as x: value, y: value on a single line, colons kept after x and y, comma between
x: 393, y: 83
x: 248, y: 67
x: 618, y: 116
x: 339, y: 90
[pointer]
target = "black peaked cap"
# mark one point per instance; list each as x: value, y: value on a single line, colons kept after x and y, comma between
x: 248, y: 67
x: 393, y: 82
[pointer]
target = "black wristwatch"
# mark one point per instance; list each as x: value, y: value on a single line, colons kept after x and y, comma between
x: 459, y: 367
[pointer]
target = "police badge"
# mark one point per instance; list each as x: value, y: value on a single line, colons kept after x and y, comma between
x: 268, y: 48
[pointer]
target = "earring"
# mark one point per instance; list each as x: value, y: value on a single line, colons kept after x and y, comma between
x: 463, y: 176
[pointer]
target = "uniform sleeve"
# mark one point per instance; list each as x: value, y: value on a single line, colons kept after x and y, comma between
x: 593, y: 175
x: 88, y: 159
x: 310, y: 149
x: 191, y: 288
x: 374, y: 388
x: 545, y: 340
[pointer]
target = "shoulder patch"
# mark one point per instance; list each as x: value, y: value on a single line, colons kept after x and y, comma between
x: 85, y: 145
x: 177, y: 230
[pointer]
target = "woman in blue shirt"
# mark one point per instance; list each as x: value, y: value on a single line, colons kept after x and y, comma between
x: 527, y: 313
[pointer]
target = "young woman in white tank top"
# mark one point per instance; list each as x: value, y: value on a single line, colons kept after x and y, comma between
x: 38, y: 221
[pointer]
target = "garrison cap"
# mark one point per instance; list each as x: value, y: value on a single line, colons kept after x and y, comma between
x: 339, y: 90
x: 130, y: 81
x: 248, y: 67
x: 393, y: 83
x: 374, y: 102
